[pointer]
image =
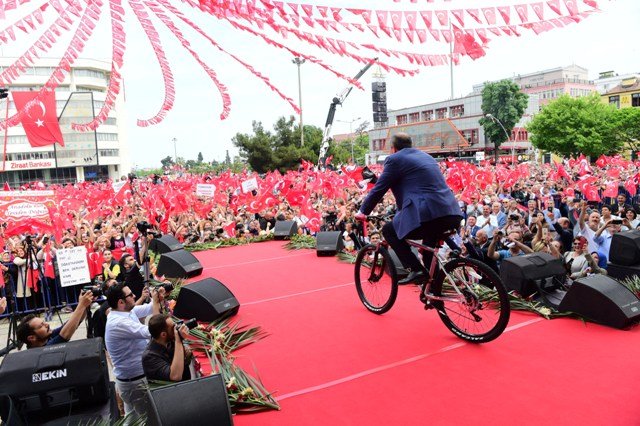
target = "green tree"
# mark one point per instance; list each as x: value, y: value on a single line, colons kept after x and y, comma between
x: 627, y: 127
x: 569, y: 125
x: 200, y: 157
x: 227, y: 159
x: 167, y: 162
x: 504, y: 103
x: 278, y: 150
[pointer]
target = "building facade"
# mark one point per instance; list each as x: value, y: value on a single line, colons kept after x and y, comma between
x: 609, y: 79
x: 449, y: 128
x: 464, y: 114
x: 624, y: 95
x: 86, y: 156
x: 550, y: 84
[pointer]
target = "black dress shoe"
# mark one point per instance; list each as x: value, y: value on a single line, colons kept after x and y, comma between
x: 413, y: 277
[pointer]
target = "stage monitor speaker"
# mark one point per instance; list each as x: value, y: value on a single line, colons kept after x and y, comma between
x: 55, y: 379
x: 199, y: 402
x: 165, y: 244
x: 520, y: 273
x: 602, y: 299
x: 179, y: 264
x: 206, y: 300
x: 329, y: 243
x: 285, y: 229
x: 625, y: 248
x: 621, y: 272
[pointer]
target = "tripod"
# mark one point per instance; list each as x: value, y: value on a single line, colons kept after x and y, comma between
x: 32, y: 266
x: 12, y: 338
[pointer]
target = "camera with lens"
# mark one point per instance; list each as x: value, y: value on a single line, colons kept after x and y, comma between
x: 168, y: 287
x: 95, y: 291
x: 191, y: 324
x: 143, y: 227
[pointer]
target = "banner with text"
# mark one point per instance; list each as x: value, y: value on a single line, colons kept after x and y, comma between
x: 18, y: 205
x: 73, y: 266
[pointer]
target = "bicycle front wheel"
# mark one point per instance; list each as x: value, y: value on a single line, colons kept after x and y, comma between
x: 479, y: 311
x: 376, y: 280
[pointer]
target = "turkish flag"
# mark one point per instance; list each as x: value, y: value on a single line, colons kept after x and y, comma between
x: 40, y: 122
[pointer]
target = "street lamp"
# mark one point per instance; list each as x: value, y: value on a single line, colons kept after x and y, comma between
x: 351, y: 134
x: 175, y: 150
x: 299, y: 61
x: 495, y: 120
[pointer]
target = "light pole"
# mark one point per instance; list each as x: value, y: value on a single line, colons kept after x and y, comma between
x: 495, y: 120
x: 299, y: 61
x: 351, y: 134
x: 175, y: 150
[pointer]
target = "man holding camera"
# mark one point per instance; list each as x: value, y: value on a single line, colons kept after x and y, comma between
x: 132, y: 275
x: 166, y: 358
x: 36, y: 332
x: 126, y: 339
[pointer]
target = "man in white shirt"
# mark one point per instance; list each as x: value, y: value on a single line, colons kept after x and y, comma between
x: 486, y: 221
x: 126, y: 338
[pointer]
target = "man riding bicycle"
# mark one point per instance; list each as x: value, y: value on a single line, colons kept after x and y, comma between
x: 426, y: 206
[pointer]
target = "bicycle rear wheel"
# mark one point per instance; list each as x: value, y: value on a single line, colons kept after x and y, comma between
x: 482, y: 312
x: 376, y: 280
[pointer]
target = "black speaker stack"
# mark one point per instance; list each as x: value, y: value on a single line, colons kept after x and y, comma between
x: 379, y: 106
x: 598, y: 298
x: 624, y: 255
x: 68, y: 382
x: 526, y: 274
x: 329, y: 243
x: 175, y: 261
x: 285, y: 229
x: 199, y: 402
x: 206, y: 300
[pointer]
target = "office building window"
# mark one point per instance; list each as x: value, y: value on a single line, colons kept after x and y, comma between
x: 635, y: 99
x: 441, y: 113
x: 427, y: 115
x: 401, y: 119
x: 614, y: 100
x: 414, y: 117
x: 456, y: 111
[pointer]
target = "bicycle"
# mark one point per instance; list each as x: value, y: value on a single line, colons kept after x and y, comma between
x: 467, y: 294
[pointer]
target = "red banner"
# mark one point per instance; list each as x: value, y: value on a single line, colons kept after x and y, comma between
x: 40, y: 122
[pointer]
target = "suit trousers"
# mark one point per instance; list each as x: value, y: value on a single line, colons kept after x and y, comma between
x: 429, y: 232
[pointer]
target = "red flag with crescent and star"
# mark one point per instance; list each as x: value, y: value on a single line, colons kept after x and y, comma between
x: 40, y: 122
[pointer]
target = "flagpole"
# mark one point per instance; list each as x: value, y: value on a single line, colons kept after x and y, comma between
x: 6, y: 130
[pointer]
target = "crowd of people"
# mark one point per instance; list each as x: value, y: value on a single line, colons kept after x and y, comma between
x: 570, y: 210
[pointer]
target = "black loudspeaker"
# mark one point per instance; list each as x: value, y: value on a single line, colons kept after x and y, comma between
x: 329, y: 243
x: 165, y: 244
x: 401, y: 271
x: 199, y: 402
x: 625, y: 248
x: 602, y: 300
x: 206, y: 300
x: 55, y: 380
x: 285, y: 229
x: 621, y: 272
x: 179, y: 264
x: 525, y: 273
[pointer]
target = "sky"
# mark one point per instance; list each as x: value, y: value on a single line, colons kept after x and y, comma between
x: 605, y: 41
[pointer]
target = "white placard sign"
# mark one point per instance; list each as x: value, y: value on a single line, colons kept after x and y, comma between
x: 249, y: 185
x: 73, y: 266
x: 480, y: 156
x: 205, y: 190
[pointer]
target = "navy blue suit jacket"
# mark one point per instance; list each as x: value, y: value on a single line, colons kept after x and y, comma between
x: 420, y: 190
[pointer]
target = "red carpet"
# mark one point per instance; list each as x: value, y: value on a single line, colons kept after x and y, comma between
x: 331, y: 362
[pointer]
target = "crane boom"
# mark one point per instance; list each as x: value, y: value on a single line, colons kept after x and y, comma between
x: 338, y: 100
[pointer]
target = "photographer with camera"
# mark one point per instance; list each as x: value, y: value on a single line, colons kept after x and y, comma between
x: 132, y: 277
x: 126, y: 338
x: 36, y: 332
x: 166, y: 358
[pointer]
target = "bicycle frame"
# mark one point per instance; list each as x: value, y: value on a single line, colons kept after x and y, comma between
x: 435, y: 262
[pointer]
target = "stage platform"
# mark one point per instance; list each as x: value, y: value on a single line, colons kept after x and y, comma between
x: 331, y: 362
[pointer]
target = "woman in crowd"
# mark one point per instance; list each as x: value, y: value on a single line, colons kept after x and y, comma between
x: 110, y: 267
